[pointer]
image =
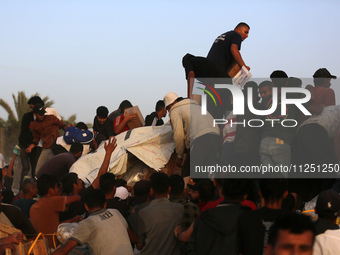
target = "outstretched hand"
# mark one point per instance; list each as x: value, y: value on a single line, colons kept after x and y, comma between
x: 111, y: 145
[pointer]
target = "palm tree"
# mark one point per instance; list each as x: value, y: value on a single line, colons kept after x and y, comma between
x: 13, y: 123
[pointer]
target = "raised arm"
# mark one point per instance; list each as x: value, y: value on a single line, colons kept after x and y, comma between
x: 110, y: 146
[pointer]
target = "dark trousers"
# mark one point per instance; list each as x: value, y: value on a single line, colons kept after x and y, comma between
x: 205, y: 151
x: 28, y: 160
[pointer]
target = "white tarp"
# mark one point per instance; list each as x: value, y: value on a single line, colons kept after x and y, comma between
x: 152, y: 145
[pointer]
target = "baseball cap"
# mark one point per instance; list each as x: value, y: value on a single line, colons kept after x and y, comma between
x: 328, y: 201
x: 170, y: 98
x: 122, y: 193
x: 323, y: 73
x: 39, y: 109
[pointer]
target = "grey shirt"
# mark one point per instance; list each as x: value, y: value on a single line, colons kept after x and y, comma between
x: 156, y: 225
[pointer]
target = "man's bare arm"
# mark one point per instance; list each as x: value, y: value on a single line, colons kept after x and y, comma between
x: 110, y: 146
x: 237, y: 56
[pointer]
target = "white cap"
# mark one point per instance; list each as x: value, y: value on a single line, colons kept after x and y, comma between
x: 122, y: 193
x: 170, y: 98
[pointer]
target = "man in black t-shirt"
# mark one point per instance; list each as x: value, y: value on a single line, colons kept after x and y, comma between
x: 155, y: 118
x: 227, y: 46
x: 254, y: 225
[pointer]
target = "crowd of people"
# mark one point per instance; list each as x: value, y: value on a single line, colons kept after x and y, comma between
x: 180, y: 214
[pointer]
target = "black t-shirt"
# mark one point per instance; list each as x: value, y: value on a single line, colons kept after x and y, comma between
x: 253, y: 229
x: 220, y: 50
x: 121, y: 206
x: 106, y: 129
x: 153, y: 117
x: 76, y: 208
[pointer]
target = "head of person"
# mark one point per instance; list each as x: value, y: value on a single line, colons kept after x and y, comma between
x: 102, y: 113
x: 39, y: 111
x: 107, y: 183
x: 170, y: 99
x: 47, y: 184
x: 121, y: 183
x: 279, y: 79
x: 121, y: 194
x: 160, y: 184
x: 291, y: 234
x: 294, y: 82
x: 235, y: 190
x: 71, y: 184
x: 141, y: 191
x: 273, y: 190
x: 265, y: 88
x: 194, y: 195
x: 160, y: 108
x: 322, y: 78
x: 253, y: 85
x: 328, y: 205
x: 206, y: 190
x: 95, y: 199
x: 29, y: 186
x: 177, y: 186
x: 124, y: 105
x: 81, y: 125
x: 77, y: 149
x: 35, y: 100
x: 242, y: 29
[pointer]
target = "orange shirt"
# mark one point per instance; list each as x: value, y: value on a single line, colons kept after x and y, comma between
x: 44, y: 215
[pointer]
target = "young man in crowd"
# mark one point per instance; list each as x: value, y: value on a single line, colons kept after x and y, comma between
x: 254, y: 225
x: 291, y: 234
x: 30, y: 191
x: 105, y: 230
x: 45, y: 127
x: 44, y: 214
x: 155, y: 118
x: 157, y: 222
x: 107, y: 183
x: 60, y: 164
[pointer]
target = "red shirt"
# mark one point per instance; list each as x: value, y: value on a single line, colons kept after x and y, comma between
x: 119, y: 120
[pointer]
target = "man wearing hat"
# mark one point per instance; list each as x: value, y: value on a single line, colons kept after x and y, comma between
x: 328, y: 208
x: 322, y: 94
x: 192, y: 131
x: 45, y: 127
x: 327, y: 231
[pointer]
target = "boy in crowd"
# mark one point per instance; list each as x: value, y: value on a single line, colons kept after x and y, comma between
x: 265, y: 89
x: 30, y: 191
x: 44, y: 214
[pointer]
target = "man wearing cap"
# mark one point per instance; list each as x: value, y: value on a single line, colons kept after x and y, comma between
x: 45, y: 127
x: 327, y: 231
x: 328, y: 208
x: 322, y: 94
x: 192, y: 131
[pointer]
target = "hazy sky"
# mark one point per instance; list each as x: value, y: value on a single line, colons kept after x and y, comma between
x: 83, y: 54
